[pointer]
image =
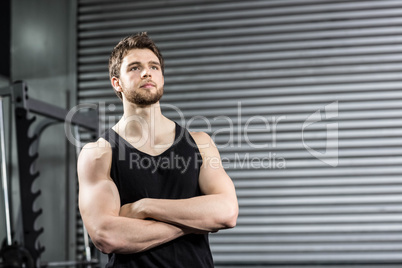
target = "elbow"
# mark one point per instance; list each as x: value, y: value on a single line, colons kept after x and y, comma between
x: 231, y: 223
x: 109, y: 241
x: 104, y: 238
x: 230, y: 217
x: 103, y: 241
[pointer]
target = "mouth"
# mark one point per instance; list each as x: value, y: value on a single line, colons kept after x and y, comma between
x: 148, y: 85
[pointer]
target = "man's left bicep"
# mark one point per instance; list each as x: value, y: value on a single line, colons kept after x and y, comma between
x: 213, y: 177
x: 215, y: 182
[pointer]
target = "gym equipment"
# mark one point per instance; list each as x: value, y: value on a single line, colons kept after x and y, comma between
x: 12, y: 254
x: 16, y: 256
x: 28, y: 253
x: 4, y: 177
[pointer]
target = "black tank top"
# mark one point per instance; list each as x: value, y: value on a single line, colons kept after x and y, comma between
x: 171, y: 175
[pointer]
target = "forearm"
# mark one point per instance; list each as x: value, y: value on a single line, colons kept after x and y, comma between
x: 124, y: 235
x: 207, y: 213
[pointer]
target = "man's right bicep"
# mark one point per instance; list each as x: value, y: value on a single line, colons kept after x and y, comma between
x: 98, y: 195
x: 98, y: 199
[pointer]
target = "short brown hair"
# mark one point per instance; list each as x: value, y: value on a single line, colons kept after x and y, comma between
x: 140, y: 41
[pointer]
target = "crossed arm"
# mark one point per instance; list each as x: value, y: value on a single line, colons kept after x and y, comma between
x: 216, y: 209
x: 147, y: 223
x: 99, y: 204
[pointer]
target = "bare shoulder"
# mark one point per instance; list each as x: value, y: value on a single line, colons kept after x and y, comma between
x: 96, y: 150
x: 205, y: 144
x: 201, y: 138
x: 94, y: 159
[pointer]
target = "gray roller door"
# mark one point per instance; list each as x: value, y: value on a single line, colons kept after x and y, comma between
x: 303, y: 99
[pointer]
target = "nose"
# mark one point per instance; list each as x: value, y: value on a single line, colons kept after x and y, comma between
x: 145, y: 73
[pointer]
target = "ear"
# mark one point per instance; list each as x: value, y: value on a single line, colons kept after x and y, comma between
x: 116, y: 84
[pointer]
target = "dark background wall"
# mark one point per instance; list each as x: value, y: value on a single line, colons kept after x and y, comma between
x: 43, y: 55
x: 5, y: 30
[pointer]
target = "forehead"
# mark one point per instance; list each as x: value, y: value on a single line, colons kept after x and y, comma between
x: 139, y: 55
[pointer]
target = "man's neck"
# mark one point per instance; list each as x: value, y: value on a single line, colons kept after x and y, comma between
x: 141, y: 121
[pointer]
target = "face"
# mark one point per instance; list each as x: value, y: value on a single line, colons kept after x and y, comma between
x: 141, y: 80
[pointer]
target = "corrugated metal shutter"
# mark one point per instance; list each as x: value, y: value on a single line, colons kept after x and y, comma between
x: 313, y: 92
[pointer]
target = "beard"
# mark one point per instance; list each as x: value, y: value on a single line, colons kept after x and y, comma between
x: 143, y: 97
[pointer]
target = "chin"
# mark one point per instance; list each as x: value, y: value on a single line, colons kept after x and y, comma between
x: 143, y: 101
x: 148, y: 99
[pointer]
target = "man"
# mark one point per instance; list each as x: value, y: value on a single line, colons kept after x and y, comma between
x: 150, y: 191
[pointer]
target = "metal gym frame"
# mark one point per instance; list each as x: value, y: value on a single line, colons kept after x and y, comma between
x: 28, y: 253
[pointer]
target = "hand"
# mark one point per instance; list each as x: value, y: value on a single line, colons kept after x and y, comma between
x: 134, y: 210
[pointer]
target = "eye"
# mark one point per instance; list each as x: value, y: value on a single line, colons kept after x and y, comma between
x: 135, y: 68
x: 154, y: 68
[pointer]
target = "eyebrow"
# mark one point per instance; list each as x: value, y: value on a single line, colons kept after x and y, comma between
x: 154, y: 62
x: 139, y: 63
